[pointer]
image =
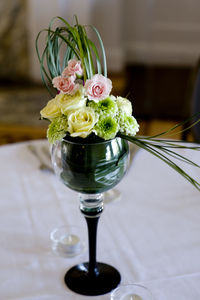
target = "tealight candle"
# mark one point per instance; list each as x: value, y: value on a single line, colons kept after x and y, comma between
x: 69, y: 243
x: 131, y: 297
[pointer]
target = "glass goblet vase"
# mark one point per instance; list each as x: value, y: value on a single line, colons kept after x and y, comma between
x: 91, y: 167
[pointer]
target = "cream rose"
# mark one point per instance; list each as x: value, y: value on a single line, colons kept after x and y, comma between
x: 81, y: 122
x: 69, y: 103
x: 124, y: 105
x: 52, y: 109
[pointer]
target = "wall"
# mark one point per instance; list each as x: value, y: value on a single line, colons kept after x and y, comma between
x: 134, y: 31
x: 162, y: 32
x: 13, y: 40
x: 105, y: 15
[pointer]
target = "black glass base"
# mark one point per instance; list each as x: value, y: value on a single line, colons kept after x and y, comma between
x: 80, y: 281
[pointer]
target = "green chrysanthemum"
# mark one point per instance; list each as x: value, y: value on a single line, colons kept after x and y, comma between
x: 106, y: 128
x: 105, y: 107
x: 127, y: 124
x: 57, y: 129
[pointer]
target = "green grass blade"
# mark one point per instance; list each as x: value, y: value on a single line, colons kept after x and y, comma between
x: 102, y: 49
x: 67, y: 57
x: 67, y: 41
x: 88, y: 50
x: 80, y: 47
x: 169, y: 143
x: 41, y: 58
x: 51, y: 58
x: 178, y: 125
x: 98, y: 62
x: 161, y: 156
x: 176, y: 155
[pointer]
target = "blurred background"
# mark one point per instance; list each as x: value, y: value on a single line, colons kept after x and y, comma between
x: 152, y: 48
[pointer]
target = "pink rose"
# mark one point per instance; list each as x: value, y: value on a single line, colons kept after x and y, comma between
x: 65, y: 85
x: 73, y: 68
x: 98, y: 87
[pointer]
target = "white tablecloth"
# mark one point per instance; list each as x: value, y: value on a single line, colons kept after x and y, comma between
x: 151, y: 235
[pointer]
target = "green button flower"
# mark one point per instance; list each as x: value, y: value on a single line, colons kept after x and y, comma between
x: 106, y: 128
x: 105, y: 107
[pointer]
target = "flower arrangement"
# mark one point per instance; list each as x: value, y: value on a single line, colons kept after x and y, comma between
x: 82, y: 104
x: 82, y: 108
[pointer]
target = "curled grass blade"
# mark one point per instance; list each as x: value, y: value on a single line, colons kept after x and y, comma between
x: 102, y: 49
x: 176, y: 155
x: 68, y: 55
x: 89, y: 54
x: 80, y: 47
x: 41, y: 58
x: 168, y: 143
x: 158, y: 153
x: 178, y: 125
x: 44, y: 75
x: 95, y: 51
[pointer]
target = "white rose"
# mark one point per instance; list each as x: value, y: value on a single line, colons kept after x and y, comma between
x: 81, y: 122
x: 69, y: 103
x: 124, y: 105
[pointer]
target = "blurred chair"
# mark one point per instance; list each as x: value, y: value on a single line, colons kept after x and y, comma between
x: 195, y: 109
x: 192, y: 104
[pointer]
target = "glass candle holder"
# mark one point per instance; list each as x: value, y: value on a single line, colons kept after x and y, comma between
x: 68, y: 241
x: 131, y: 292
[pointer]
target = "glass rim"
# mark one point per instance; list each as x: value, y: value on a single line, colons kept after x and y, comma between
x: 66, y: 228
x: 137, y: 285
x: 85, y: 141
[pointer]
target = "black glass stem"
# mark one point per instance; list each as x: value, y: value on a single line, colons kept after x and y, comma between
x: 92, y: 278
x: 92, y: 238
